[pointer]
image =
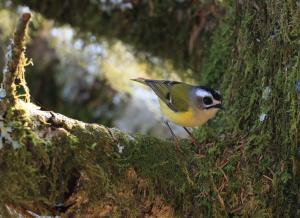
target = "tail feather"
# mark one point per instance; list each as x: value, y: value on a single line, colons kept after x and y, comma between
x: 140, y: 80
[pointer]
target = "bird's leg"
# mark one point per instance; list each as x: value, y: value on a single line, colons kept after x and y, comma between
x: 169, y: 127
x: 188, y: 132
x: 173, y: 135
x: 191, y: 135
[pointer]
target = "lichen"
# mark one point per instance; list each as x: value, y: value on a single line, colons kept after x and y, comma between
x: 5, y: 136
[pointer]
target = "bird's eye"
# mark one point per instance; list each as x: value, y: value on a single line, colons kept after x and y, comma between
x: 207, y: 100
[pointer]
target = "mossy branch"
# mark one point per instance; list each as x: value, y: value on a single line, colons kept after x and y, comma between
x: 15, y: 56
x: 78, y: 160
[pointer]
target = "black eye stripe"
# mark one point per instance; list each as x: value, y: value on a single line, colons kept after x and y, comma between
x: 207, y: 100
x: 215, y: 94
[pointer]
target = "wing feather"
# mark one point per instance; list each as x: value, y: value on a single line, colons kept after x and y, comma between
x: 164, y: 89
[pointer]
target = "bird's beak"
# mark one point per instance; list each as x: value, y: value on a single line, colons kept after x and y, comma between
x: 220, y: 106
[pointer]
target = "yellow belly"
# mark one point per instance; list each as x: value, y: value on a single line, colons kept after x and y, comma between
x: 190, y: 118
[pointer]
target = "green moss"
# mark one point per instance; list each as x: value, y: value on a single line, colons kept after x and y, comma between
x: 217, y: 56
x: 263, y: 59
x: 20, y: 168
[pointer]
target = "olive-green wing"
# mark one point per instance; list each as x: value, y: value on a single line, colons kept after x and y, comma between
x: 173, y: 94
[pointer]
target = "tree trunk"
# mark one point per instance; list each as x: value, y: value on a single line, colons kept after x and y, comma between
x: 249, y: 162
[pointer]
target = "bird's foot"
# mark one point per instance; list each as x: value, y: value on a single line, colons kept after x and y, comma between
x: 199, y: 147
x: 195, y: 143
x: 175, y: 138
x: 177, y: 144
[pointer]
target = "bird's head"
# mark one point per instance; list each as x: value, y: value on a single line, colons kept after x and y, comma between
x: 205, y: 98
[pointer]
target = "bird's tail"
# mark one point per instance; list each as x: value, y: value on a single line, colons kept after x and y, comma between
x: 140, y: 80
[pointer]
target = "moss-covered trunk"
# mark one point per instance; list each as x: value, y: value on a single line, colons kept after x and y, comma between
x: 249, y: 165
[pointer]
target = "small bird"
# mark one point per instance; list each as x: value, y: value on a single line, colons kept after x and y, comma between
x: 183, y: 104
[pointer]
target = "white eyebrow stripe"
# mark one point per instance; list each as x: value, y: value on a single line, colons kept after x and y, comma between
x: 202, y: 93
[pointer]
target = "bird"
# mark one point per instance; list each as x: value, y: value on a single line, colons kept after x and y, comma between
x: 184, y: 104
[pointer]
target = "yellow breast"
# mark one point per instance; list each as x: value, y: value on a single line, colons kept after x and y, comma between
x: 190, y: 118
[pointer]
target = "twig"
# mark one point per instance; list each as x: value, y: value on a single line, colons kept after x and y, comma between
x: 215, y: 189
x: 14, y: 57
